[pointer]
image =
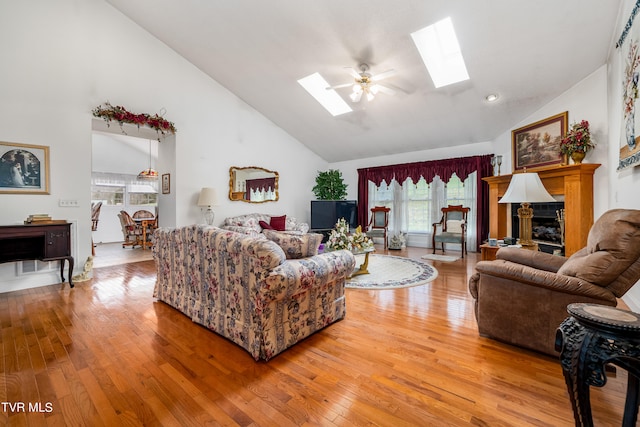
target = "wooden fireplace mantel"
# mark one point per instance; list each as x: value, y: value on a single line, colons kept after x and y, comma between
x: 574, y: 182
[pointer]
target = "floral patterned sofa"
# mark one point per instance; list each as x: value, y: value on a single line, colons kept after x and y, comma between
x: 249, y: 289
x: 250, y: 224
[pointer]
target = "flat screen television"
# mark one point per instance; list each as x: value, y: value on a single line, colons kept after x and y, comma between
x: 325, y: 213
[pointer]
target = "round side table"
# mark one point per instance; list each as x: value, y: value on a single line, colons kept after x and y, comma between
x: 592, y: 336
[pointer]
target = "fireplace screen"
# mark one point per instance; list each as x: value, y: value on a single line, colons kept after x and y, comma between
x: 545, y: 227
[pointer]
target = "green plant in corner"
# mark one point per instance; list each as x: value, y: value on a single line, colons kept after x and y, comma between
x: 330, y: 186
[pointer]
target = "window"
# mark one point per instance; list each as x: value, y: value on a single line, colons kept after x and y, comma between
x: 416, y: 206
x: 454, y: 191
x: 143, y: 199
x: 381, y: 196
x: 123, y: 190
x: 111, y: 195
x: 418, y: 201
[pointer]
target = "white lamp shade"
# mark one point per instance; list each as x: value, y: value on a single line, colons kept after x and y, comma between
x: 526, y: 188
x: 208, y: 197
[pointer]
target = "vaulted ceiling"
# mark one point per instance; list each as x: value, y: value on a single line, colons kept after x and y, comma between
x: 528, y: 52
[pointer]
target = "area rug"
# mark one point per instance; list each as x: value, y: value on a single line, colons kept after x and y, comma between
x: 438, y: 257
x: 390, y: 272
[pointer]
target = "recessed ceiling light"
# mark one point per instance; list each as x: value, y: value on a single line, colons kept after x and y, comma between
x: 317, y: 86
x: 492, y: 97
x: 440, y: 52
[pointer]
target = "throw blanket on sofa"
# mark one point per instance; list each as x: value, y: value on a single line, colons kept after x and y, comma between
x: 244, y: 288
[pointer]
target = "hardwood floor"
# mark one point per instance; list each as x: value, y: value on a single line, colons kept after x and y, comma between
x: 105, y: 353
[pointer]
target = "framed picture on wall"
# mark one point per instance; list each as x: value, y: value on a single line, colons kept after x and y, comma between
x: 24, y: 169
x: 166, y: 183
x: 538, y: 144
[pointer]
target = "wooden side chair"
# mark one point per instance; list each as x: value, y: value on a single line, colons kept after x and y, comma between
x: 379, y: 223
x: 453, y: 228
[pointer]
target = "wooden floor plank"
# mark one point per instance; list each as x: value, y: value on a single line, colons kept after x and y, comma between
x: 106, y: 353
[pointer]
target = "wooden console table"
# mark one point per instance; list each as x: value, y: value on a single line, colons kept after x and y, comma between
x: 574, y: 182
x: 44, y: 242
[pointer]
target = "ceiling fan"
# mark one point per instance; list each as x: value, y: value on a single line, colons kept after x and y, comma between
x: 366, y: 84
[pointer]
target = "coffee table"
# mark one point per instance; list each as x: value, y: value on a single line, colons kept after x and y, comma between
x: 365, y: 264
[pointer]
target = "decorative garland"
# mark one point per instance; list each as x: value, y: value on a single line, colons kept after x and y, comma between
x: 120, y: 114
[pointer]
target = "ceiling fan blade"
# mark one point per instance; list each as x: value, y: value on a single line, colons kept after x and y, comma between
x: 340, y: 86
x: 385, y: 89
x: 353, y: 73
x: 383, y: 75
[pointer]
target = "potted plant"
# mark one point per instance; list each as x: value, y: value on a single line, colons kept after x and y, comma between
x: 330, y: 186
x: 577, y: 142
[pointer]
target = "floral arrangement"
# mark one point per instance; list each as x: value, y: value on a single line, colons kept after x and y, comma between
x: 577, y: 139
x: 341, y: 239
x: 120, y: 114
x: 360, y: 241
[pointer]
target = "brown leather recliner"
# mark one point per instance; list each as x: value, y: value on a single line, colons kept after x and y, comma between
x: 521, y: 298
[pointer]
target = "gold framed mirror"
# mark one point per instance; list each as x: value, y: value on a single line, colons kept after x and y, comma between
x: 253, y: 184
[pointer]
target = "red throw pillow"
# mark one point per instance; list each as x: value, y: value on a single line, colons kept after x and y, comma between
x: 278, y: 222
x: 265, y: 225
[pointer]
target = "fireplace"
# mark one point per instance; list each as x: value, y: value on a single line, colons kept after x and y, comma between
x: 544, y: 224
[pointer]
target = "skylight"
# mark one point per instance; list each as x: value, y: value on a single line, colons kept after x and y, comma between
x: 440, y: 52
x: 317, y: 86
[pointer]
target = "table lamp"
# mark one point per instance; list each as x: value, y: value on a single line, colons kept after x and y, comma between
x: 208, y: 198
x: 526, y: 188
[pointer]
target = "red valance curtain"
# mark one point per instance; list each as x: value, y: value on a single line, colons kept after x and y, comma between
x: 257, y: 185
x: 462, y: 166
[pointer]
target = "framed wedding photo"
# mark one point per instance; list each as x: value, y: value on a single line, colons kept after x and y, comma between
x: 538, y: 144
x: 24, y: 169
x: 166, y: 183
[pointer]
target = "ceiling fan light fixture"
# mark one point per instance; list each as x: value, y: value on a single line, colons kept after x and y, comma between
x: 374, y: 89
x: 370, y: 96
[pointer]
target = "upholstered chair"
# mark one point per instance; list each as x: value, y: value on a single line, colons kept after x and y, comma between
x: 521, y: 298
x: 452, y: 228
x: 131, y: 230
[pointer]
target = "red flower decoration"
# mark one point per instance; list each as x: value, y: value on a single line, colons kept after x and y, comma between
x: 578, y: 138
x: 120, y: 114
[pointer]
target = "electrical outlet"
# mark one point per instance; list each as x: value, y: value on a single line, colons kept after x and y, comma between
x: 68, y: 203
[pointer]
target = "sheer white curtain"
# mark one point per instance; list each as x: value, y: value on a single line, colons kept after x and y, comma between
x: 416, y: 206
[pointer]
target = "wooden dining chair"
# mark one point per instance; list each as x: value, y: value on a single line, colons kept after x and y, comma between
x: 379, y: 223
x: 452, y: 228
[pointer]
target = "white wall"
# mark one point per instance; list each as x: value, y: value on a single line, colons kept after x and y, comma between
x: 61, y: 59
x: 586, y: 100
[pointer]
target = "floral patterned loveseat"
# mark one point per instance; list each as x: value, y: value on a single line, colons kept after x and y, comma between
x: 246, y: 288
x: 250, y: 224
